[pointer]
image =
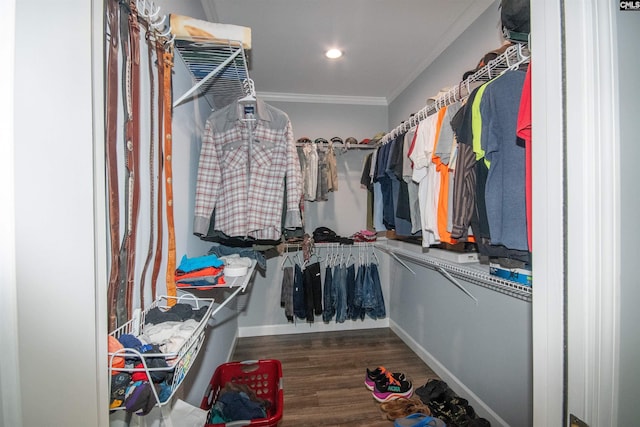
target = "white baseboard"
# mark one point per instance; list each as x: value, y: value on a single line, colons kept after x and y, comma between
x: 303, y: 327
x: 481, y: 408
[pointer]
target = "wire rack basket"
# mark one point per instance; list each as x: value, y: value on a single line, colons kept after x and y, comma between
x: 178, y: 362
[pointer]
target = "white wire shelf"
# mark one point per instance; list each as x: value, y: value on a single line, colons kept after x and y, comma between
x: 238, y: 283
x: 470, y: 272
x: 219, y: 69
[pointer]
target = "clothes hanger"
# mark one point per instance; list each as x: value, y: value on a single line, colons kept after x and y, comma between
x: 350, y: 258
x: 250, y: 97
x: 284, y: 261
x: 166, y: 33
x: 313, y: 254
x: 158, y: 23
x: 375, y: 256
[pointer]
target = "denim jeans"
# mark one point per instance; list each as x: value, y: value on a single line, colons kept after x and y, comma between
x: 350, y: 288
x: 356, y: 310
x: 327, y: 297
x: 373, y: 299
x: 340, y: 279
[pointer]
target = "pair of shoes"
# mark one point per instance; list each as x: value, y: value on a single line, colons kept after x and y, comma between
x: 419, y: 420
x: 386, y: 385
x: 378, y: 374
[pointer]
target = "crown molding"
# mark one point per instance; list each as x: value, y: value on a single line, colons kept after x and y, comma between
x: 323, y: 99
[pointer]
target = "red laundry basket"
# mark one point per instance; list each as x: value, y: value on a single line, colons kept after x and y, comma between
x: 264, y: 377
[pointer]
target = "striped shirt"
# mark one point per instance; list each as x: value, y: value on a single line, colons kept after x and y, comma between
x: 243, y: 168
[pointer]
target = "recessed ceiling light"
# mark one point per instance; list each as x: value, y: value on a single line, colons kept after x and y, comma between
x: 333, y: 53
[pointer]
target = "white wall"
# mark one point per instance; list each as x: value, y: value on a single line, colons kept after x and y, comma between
x: 57, y: 298
x: 462, y: 55
x: 10, y: 402
x: 628, y: 26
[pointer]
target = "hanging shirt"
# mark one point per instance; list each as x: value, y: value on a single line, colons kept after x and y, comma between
x: 464, y: 191
x: 434, y: 181
x: 505, y: 186
x: 440, y: 158
x: 332, y: 169
x: 242, y: 181
x: 524, y: 132
x: 476, y: 123
x: 310, y: 172
x: 412, y: 186
x: 420, y: 154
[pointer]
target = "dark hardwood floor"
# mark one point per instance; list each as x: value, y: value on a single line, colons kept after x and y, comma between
x: 323, y: 373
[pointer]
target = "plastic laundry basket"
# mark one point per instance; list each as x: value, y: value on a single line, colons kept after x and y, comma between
x: 264, y: 377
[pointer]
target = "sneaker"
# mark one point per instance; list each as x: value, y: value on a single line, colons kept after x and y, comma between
x: 390, y: 387
x: 379, y: 373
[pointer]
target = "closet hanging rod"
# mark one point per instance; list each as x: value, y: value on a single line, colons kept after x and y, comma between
x: 511, y: 58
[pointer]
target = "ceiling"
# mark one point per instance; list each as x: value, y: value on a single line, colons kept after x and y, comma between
x: 386, y: 43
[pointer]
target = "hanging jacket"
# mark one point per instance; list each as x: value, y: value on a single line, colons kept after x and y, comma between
x: 242, y: 171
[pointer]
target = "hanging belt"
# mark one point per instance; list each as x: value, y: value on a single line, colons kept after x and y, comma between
x: 168, y: 173
x: 130, y: 37
x: 133, y: 153
x: 150, y: 38
x: 157, y: 261
x: 121, y: 306
x: 112, y: 159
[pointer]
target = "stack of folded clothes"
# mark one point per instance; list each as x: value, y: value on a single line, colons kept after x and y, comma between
x: 205, y: 271
x: 364, y: 236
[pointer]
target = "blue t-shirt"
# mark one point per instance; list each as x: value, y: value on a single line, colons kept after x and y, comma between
x: 505, y: 185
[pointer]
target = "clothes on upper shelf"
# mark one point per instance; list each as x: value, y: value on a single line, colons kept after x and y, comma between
x: 248, y: 157
x: 464, y: 170
x: 319, y: 168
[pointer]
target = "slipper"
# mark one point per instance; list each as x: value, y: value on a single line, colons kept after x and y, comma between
x: 419, y: 420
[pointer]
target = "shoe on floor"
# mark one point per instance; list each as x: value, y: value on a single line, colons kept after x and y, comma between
x: 377, y: 374
x: 390, y: 387
x: 419, y: 420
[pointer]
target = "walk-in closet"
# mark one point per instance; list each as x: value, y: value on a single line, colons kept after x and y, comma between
x: 192, y: 184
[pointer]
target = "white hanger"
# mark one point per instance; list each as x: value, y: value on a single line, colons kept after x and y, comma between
x: 375, y: 256
x: 250, y: 91
x: 141, y: 9
x: 158, y: 23
x: 284, y: 261
x: 350, y: 258
x: 166, y: 33
x: 152, y: 14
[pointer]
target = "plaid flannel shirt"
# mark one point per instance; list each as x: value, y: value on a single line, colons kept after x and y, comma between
x: 245, y: 182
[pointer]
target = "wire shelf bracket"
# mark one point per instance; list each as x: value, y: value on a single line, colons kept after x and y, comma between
x: 220, y: 69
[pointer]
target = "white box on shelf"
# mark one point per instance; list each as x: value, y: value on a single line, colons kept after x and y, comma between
x: 460, y: 257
